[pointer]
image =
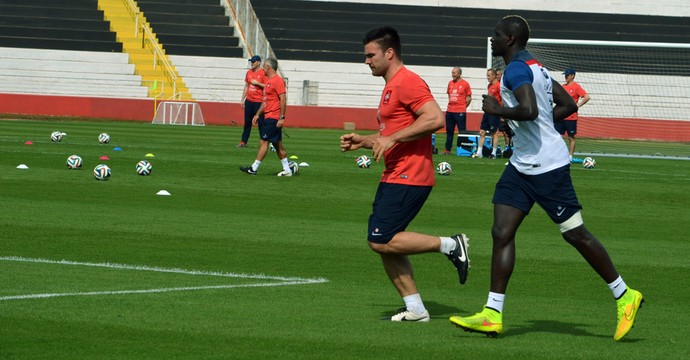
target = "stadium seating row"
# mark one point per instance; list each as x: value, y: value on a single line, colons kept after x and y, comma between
x: 68, y: 72
x: 436, y: 36
x: 58, y: 24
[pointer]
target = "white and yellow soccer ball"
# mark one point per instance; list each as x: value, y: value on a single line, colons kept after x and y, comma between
x: 589, y: 163
x: 56, y: 136
x: 363, y: 161
x: 444, y: 168
x: 101, y: 172
x: 144, y: 168
x: 294, y: 167
x: 103, y: 138
x: 74, y: 162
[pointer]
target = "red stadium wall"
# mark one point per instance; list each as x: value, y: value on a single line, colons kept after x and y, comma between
x: 217, y: 113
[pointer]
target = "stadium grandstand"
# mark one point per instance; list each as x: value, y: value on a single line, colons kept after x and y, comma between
x: 197, y: 50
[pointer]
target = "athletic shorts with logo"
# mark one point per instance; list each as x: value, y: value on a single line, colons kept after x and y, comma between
x: 269, y: 131
x: 553, y: 191
x: 569, y: 126
x: 395, y: 206
x: 490, y: 123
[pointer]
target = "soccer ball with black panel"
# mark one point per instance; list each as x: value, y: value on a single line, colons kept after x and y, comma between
x: 363, y: 161
x: 294, y: 167
x: 101, y: 172
x: 589, y: 163
x: 103, y: 138
x: 74, y: 162
x: 144, y: 168
x: 56, y: 136
x: 444, y: 168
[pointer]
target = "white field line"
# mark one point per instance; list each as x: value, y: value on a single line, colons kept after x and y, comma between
x: 276, y: 280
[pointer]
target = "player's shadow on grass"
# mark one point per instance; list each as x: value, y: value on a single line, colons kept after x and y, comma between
x: 436, y: 310
x: 555, y: 327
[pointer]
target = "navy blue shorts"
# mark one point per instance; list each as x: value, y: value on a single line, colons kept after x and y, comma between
x: 553, y: 191
x: 268, y: 130
x: 490, y: 123
x: 395, y: 206
x: 569, y: 126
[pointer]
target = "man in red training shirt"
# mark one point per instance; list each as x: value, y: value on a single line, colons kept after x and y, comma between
x: 407, y: 116
x: 459, y: 98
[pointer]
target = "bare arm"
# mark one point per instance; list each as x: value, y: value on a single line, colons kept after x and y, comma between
x: 353, y: 141
x: 429, y: 119
x: 583, y: 101
x: 244, y: 94
x: 257, y: 83
x: 283, y: 107
x: 526, y: 109
x: 468, y: 100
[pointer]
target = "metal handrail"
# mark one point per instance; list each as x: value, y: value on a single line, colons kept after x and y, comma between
x: 147, y: 36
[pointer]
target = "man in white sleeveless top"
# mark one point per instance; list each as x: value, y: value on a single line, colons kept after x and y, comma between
x: 538, y: 172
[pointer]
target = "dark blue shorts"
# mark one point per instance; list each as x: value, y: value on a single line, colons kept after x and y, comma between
x: 490, y: 123
x: 268, y: 130
x: 395, y: 206
x: 553, y: 191
x: 569, y: 126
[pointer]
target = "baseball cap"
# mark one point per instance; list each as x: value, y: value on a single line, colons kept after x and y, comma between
x: 569, y: 71
x: 255, y: 58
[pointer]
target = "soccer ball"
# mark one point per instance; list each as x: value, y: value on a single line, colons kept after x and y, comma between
x: 143, y: 168
x: 56, y: 136
x: 101, y: 172
x: 74, y: 162
x: 294, y: 168
x: 589, y: 163
x: 103, y: 138
x: 363, y: 161
x: 443, y: 168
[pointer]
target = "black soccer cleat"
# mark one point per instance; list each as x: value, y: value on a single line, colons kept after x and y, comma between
x: 460, y: 257
x: 248, y: 170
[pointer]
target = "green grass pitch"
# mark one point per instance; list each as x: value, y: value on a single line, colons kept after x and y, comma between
x: 232, y: 266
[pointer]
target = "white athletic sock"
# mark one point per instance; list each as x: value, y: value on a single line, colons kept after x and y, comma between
x: 495, y: 301
x: 493, y: 152
x: 447, y: 245
x: 284, y: 162
x: 414, y: 303
x: 256, y: 164
x: 617, y: 287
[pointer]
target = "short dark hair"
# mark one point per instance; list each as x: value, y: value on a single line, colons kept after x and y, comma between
x: 386, y: 37
x: 517, y: 26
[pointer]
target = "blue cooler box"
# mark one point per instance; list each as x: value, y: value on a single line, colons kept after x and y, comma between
x: 468, y: 143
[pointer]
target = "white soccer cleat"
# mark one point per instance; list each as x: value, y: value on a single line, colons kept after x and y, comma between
x: 285, y: 173
x: 406, y: 315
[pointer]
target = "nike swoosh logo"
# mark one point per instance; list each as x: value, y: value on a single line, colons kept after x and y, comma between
x: 462, y: 252
x: 629, y: 312
x: 486, y: 323
x: 558, y: 213
x: 376, y: 234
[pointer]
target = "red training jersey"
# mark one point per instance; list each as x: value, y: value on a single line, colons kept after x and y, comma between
x: 494, y: 90
x: 576, y: 92
x: 408, y: 163
x: 457, y: 95
x: 274, y: 87
x: 255, y: 93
